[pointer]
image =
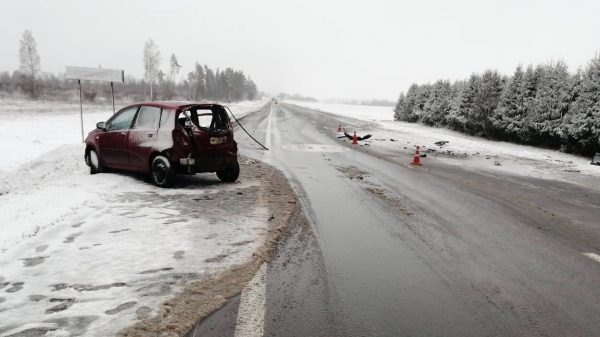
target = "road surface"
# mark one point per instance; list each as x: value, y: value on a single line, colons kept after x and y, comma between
x: 398, y: 250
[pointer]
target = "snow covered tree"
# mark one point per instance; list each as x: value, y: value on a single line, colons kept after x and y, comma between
x: 507, y: 118
x: 465, y: 105
x: 491, y: 86
x: 151, y: 64
x: 583, y: 125
x: 438, y: 104
x: 550, y: 104
x: 400, y: 107
x: 409, y: 111
x: 29, y: 61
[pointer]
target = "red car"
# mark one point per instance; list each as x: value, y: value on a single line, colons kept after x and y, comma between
x: 164, y: 139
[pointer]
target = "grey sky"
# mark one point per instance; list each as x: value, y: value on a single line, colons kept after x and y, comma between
x: 350, y: 49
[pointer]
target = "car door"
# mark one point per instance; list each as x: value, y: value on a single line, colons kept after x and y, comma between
x: 113, y: 142
x: 142, y: 137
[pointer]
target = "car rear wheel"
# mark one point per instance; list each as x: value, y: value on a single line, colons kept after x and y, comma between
x: 229, y: 175
x: 161, y: 172
x: 91, y: 158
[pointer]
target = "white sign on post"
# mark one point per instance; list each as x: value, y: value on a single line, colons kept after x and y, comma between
x: 95, y: 74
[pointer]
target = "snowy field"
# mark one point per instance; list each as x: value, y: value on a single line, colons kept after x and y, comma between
x: 468, y: 151
x: 84, y: 255
x: 38, y: 127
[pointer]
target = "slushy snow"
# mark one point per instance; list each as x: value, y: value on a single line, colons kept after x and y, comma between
x: 86, y: 255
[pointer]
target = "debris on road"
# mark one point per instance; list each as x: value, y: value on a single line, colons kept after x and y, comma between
x: 441, y: 143
x: 357, y: 137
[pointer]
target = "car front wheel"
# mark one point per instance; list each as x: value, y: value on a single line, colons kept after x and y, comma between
x: 229, y: 175
x: 161, y: 172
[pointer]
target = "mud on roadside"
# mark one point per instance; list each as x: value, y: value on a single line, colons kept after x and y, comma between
x: 200, y: 298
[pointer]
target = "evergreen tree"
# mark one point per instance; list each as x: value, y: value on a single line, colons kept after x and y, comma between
x: 438, y: 104
x: 465, y: 106
x: 400, y: 107
x: 583, y: 129
x: 488, y: 96
x: 551, y: 103
x: 507, y: 118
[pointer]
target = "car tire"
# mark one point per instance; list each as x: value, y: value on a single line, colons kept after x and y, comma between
x: 93, y: 161
x: 161, y: 173
x: 230, y: 174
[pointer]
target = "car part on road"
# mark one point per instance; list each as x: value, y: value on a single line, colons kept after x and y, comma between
x: 357, y: 137
x: 161, y: 172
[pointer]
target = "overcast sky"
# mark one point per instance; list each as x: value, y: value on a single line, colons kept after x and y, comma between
x: 327, y: 49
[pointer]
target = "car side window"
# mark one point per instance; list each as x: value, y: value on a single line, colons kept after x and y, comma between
x: 123, y: 120
x: 148, y: 118
x: 164, y: 117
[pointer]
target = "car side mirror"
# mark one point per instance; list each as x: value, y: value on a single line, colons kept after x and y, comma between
x: 101, y: 126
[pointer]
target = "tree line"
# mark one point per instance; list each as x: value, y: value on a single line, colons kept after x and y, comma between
x: 202, y: 83
x: 543, y: 105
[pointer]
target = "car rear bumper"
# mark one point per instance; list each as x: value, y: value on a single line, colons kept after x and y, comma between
x: 190, y: 165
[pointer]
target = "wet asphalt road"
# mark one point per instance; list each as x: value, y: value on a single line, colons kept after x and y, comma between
x: 422, y: 251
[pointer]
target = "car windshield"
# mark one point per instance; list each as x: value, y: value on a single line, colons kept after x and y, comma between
x: 206, y: 118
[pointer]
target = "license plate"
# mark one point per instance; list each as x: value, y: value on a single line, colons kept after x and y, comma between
x: 187, y: 161
x: 217, y: 140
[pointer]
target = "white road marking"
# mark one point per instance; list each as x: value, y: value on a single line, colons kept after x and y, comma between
x: 251, y: 313
x: 593, y: 256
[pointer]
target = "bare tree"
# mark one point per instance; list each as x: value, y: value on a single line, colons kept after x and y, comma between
x: 29, y: 59
x: 174, y: 69
x: 151, y: 63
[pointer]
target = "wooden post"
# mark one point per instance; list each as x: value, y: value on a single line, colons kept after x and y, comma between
x: 81, y: 110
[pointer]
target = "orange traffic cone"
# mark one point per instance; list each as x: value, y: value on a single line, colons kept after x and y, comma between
x: 417, y: 157
x: 354, y: 140
x: 339, y: 128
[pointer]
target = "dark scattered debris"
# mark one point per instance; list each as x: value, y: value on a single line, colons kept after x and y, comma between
x: 392, y: 140
x: 423, y: 155
x: 441, y: 142
x: 596, y: 159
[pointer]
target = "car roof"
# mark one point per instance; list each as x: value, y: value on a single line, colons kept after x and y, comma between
x: 177, y: 104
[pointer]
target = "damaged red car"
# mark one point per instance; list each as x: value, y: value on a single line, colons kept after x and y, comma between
x: 163, y: 139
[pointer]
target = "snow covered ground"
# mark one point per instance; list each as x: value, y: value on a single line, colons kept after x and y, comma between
x: 84, y: 255
x: 468, y: 151
x: 39, y: 127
